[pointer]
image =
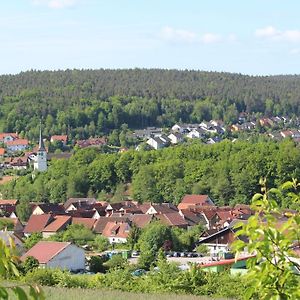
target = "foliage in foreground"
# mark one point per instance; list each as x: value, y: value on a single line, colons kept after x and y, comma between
x: 8, y: 270
x: 274, y: 274
x: 168, y: 278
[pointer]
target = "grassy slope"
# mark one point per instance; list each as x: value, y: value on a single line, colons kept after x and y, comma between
x: 55, y: 293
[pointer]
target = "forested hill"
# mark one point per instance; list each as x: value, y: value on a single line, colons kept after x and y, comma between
x: 144, y: 97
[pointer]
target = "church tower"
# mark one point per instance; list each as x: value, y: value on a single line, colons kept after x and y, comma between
x: 40, y: 163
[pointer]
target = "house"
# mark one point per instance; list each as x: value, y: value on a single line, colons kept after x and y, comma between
x: 160, y: 208
x: 175, y: 138
x: 101, y: 222
x: 173, y: 219
x: 8, y: 137
x: 60, y: 255
x: 17, y: 145
x: 92, y: 142
x: 74, y: 203
x: 58, y: 224
x: 59, y: 138
x: 213, y: 140
x: 86, y: 222
x: 192, y: 217
x: 6, y: 236
x: 37, y: 223
x: 19, y: 163
x: 195, y: 201
x: 196, y: 133
x: 116, y: 232
x: 286, y: 133
x: 219, y: 241
x: 141, y: 220
x: 48, y: 208
x: 156, y: 143
x: 147, y: 133
x: 266, y: 122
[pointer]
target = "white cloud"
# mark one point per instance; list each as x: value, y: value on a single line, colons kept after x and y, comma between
x: 209, y: 38
x: 55, y: 4
x: 171, y: 34
x: 271, y: 33
x: 177, y: 35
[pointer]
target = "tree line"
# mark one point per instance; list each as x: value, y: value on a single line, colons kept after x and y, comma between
x: 84, y: 103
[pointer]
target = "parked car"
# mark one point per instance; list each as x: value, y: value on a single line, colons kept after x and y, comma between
x: 138, y: 272
x: 135, y: 253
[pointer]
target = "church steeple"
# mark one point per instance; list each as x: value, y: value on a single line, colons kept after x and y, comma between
x: 40, y: 162
x: 41, y: 142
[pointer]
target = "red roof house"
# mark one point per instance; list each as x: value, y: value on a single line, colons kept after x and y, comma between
x: 37, y: 223
x: 57, y: 255
x: 58, y: 224
x: 189, y: 201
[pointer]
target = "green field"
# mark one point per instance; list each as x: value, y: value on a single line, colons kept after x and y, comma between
x: 55, y: 293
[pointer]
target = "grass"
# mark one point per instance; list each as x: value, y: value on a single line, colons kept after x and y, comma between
x: 55, y: 293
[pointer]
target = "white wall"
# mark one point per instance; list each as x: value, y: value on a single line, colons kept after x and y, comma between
x: 71, y: 258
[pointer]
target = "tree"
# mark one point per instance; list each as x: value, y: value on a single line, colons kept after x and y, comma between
x: 273, y: 273
x: 8, y: 269
x: 30, y: 264
x: 33, y: 239
x: 101, y: 243
x: 151, y: 240
x: 23, y: 210
x: 133, y: 236
x: 78, y: 234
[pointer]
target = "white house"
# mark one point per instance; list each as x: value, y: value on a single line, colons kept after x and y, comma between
x: 60, y: 255
x: 175, y: 138
x: 116, y: 232
x: 17, y: 145
x: 156, y: 143
x: 196, y: 133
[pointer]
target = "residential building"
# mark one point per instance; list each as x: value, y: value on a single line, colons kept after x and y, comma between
x: 62, y: 255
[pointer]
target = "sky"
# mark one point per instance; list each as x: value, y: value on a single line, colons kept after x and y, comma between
x: 255, y: 37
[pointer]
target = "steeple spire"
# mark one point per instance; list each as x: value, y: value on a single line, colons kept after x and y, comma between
x: 41, y: 142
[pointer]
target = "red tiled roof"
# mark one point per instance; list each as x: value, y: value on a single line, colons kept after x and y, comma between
x: 87, y: 222
x: 44, y: 251
x: 101, y: 222
x: 59, y: 223
x: 18, y: 142
x: 37, y: 223
x: 62, y: 138
x: 195, y: 199
x: 2, y: 151
x: 8, y: 202
x: 141, y: 220
x: 13, y: 135
x: 173, y: 219
x: 116, y: 229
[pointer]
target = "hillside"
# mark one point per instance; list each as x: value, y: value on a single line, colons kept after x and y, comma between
x: 84, y: 103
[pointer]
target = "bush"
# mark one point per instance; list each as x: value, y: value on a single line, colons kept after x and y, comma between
x: 30, y: 264
x: 96, y: 264
x: 116, y: 262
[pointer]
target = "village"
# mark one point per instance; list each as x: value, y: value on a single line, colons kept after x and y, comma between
x: 114, y: 221
x: 19, y: 153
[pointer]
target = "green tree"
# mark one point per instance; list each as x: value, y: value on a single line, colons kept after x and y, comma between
x: 23, y: 210
x: 273, y: 273
x: 33, y: 239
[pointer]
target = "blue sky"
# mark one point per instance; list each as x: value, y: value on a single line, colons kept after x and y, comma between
x: 250, y: 37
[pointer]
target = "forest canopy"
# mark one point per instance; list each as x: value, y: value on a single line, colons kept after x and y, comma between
x: 84, y: 103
